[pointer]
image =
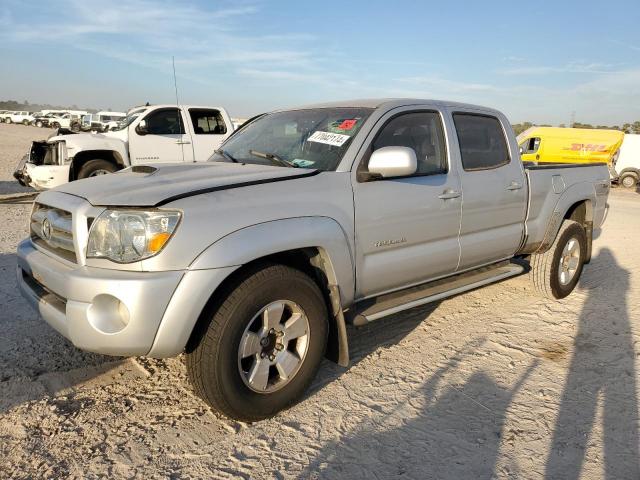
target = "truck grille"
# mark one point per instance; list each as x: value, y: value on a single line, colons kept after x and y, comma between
x: 52, y: 230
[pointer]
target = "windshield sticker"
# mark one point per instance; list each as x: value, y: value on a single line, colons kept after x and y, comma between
x: 335, y: 139
x: 302, y: 163
x: 348, y: 124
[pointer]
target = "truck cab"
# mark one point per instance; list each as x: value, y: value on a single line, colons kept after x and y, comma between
x: 160, y: 133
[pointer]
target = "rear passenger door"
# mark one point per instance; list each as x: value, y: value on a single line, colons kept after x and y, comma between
x: 209, y: 130
x: 407, y: 227
x: 494, y: 192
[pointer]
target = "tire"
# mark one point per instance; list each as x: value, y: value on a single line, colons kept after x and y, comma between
x: 75, y: 127
x: 7, y: 120
x: 39, y: 124
x: 548, y: 277
x: 94, y: 168
x: 55, y: 125
x: 628, y: 180
x: 218, y: 373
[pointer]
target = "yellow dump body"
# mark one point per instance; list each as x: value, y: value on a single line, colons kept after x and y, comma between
x: 569, y: 145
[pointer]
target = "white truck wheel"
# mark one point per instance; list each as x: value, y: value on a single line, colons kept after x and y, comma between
x: 628, y: 180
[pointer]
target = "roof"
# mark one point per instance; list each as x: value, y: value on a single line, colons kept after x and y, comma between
x: 386, y: 103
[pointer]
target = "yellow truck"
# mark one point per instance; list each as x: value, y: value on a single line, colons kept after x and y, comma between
x: 570, y: 145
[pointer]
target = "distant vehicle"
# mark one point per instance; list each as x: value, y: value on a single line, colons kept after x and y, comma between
x: 23, y: 117
x: 627, y: 166
x: 3, y: 114
x: 305, y: 220
x: 101, y: 121
x: 67, y: 121
x: 549, y: 145
x: 42, y: 120
x: 155, y: 134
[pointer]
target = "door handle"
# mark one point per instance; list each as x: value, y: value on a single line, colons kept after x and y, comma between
x: 514, y: 186
x: 448, y: 194
x: 183, y: 142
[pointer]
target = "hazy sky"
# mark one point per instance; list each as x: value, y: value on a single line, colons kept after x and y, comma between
x: 536, y: 61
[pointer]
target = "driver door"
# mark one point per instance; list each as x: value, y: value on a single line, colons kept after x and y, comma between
x: 165, y: 139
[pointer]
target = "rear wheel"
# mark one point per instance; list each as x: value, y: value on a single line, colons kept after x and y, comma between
x: 556, y: 272
x: 25, y: 122
x: 55, y: 125
x: 8, y: 120
x: 39, y: 124
x: 262, y: 345
x: 94, y: 168
x: 628, y: 180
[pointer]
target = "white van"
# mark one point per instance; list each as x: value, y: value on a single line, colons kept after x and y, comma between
x: 627, y: 165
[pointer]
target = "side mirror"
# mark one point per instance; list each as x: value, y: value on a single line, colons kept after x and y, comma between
x: 141, y: 129
x: 391, y: 162
x: 521, y: 150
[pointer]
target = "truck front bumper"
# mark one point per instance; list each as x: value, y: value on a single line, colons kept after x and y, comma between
x: 41, y: 177
x: 115, y: 312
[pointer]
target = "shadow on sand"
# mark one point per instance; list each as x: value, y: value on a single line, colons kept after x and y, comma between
x: 458, y: 433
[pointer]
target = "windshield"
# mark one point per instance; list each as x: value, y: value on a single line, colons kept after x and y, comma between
x: 126, y: 121
x: 314, y: 138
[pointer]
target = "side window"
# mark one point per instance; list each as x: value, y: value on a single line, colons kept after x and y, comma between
x: 530, y: 145
x: 165, y: 122
x: 482, y: 142
x: 207, y: 122
x: 421, y: 131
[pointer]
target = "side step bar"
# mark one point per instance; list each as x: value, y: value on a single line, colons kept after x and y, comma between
x: 369, y: 310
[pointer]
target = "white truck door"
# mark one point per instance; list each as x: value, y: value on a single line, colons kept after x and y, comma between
x: 209, y: 131
x: 407, y: 227
x: 494, y: 200
x: 164, y: 139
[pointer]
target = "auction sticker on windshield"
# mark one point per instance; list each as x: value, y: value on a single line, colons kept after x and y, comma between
x: 335, y: 139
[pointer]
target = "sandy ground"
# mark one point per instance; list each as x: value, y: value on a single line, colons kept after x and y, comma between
x: 494, y: 383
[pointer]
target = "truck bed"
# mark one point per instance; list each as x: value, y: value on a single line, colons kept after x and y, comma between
x: 551, y: 190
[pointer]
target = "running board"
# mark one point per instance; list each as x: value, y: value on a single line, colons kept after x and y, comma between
x: 369, y: 310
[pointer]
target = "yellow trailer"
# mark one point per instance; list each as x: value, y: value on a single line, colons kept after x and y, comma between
x: 569, y: 145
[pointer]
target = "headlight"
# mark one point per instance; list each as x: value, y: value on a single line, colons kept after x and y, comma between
x: 126, y: 236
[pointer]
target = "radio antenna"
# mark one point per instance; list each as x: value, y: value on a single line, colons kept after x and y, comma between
x: 175, y: 85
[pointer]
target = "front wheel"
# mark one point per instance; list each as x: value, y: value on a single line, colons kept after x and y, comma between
x: 8, y: 120
x: 556, y: 272
x: 94, y: 168
x: 39, y: 124
x: 262, y: 346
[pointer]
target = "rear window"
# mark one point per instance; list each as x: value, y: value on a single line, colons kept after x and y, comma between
x: 207, y: 122
x: 482, y: 142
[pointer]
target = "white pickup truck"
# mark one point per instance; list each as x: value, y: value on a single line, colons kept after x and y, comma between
x: 303, y: 221
x: 159, y: 133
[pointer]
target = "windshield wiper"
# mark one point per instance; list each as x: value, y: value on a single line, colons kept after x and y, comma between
x: 226, y: 155
x: 274, y: 158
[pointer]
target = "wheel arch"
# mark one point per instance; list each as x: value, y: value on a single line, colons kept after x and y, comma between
x: 83, y: 157
x: 317, y: 246
x: 575, y: 205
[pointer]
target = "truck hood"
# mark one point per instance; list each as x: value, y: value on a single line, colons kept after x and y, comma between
x: 87, y: 141
x: 158, y: 184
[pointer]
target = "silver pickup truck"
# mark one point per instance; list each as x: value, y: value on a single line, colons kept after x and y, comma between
x: 302, y: 222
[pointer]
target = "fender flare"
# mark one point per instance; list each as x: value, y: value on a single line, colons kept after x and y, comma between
x: 335, y: 258
x: 578, y: 193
